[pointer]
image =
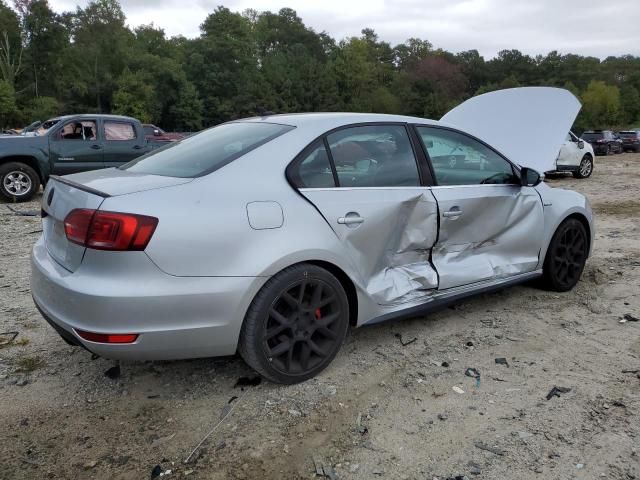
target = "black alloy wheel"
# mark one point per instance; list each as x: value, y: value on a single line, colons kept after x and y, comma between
x: 296, y: 324
x: 566, y: 256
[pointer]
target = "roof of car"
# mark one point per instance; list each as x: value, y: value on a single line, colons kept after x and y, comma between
x: 334, y: 118
x: 91, y: 116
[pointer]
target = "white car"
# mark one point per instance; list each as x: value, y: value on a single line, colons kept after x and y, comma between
x: 576, y: 156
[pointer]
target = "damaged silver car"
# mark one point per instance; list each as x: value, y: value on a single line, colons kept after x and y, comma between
x: 270, y: 236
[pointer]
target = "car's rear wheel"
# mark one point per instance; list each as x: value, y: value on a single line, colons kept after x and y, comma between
x: 586, y: 167
x: 18, y: 182
x: 295, y: 325
x: 566, y: 256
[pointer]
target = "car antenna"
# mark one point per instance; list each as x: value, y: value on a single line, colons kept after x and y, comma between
x: 263, y: 112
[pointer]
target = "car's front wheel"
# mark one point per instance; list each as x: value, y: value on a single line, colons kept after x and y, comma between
x: 295, y: 325
x: 566, y: 256
x: 586, y: 167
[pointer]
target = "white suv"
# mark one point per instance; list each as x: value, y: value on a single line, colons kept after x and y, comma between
x: 576, y: 156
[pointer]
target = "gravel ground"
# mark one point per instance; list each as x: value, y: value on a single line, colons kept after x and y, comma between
x: 381, y: 410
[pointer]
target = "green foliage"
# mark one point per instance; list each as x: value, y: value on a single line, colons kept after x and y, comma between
x: 7, y: 102
x: 88, y: 60
x: 601, y: 104
x: 40, y: 108
x: 135, y: 97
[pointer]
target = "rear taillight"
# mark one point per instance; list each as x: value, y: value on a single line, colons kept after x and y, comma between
x: 109, y: 230
x: 108, y: 337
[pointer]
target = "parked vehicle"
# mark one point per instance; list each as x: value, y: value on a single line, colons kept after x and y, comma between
x: 576, y: 157
x: 271, y: 235
x: 630, y: 140
x: 65, y: 145
x: 156, y: 133
x: 604, y: 142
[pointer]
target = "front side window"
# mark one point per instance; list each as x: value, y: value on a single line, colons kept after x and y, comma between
x: 207, y: 151
x: 79, y: 130
x: 119, y: 131
x: 460, y: 160
x: 373, y: 156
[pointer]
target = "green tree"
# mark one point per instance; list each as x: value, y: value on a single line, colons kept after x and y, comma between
x: 601, y: 105
x: 135, y: 97
x: 7, y: 102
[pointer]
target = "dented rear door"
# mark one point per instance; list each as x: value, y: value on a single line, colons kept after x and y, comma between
x: 376, y: 205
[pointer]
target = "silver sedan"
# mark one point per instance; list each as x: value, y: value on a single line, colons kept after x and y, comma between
x: 271, y: 236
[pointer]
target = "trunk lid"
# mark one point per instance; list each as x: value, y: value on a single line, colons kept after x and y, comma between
x: 87, y: 190
x: 528, y: 125
x: 58, y: 200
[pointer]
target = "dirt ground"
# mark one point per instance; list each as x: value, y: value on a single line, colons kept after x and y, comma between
x: 381, y: 410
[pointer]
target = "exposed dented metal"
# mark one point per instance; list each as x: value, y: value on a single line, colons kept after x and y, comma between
x: 391, y: 248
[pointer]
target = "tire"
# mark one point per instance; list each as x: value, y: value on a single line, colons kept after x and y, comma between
x: 18, y: 182
x: 295, y: 325
x: 566, y: 256
x: 586, y: 167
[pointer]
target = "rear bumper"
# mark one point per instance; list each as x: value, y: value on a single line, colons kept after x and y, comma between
x: 175, y: 317
x: 599, y: 148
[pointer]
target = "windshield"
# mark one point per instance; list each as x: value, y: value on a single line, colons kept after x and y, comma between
x: 207, y: 151
x: 44, y: 128
x: 628, y: 134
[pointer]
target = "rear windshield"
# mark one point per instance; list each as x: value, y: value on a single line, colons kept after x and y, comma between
x: 628, y: 134
x: 207, y: 151
x: 592, y: 136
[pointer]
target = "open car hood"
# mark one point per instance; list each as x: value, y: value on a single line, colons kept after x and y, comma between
x: 527, y: 125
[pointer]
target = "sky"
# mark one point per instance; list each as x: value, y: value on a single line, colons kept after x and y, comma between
x: 587, y: 27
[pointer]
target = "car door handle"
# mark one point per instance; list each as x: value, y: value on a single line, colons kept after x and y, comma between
x: 350, y: 220
x: 455, y: 212
x: 137, y: 147
x: 96, y: 147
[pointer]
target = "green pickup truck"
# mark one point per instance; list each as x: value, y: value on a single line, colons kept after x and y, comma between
x: 65, y: 145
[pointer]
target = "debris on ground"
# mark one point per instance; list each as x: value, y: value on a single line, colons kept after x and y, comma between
x: 458, y: 389
x: 226, y: 411
x: 473, y: 373
x: 113, y: 373
x: 248, y: 382
x: 502, y: 361
x: 402, y: 342
x: 24, y: 213
x: 156, y: 471
x: 324, y: 471
x: 489, y: 448
x: 629, y: 318
x: 8, y: 337
x: 556, y: 391
x: 439, y: 364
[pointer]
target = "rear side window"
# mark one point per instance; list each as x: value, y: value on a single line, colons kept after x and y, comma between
x: 374, y: 156
x: 592, y: 136
x: 119, y: 131
x: 313, y: 170
x: 207, y: 151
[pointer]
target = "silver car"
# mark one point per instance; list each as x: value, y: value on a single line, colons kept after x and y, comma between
x: 271, y: 236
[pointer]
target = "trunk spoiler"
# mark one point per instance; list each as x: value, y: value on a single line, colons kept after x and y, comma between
x: 79, y: 186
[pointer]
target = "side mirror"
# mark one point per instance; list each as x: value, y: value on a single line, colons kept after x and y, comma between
x: 529, y: 177
x: 156, y: 133
x: 580, y: 144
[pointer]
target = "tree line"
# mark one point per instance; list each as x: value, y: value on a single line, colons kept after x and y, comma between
x: 88, y: 60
